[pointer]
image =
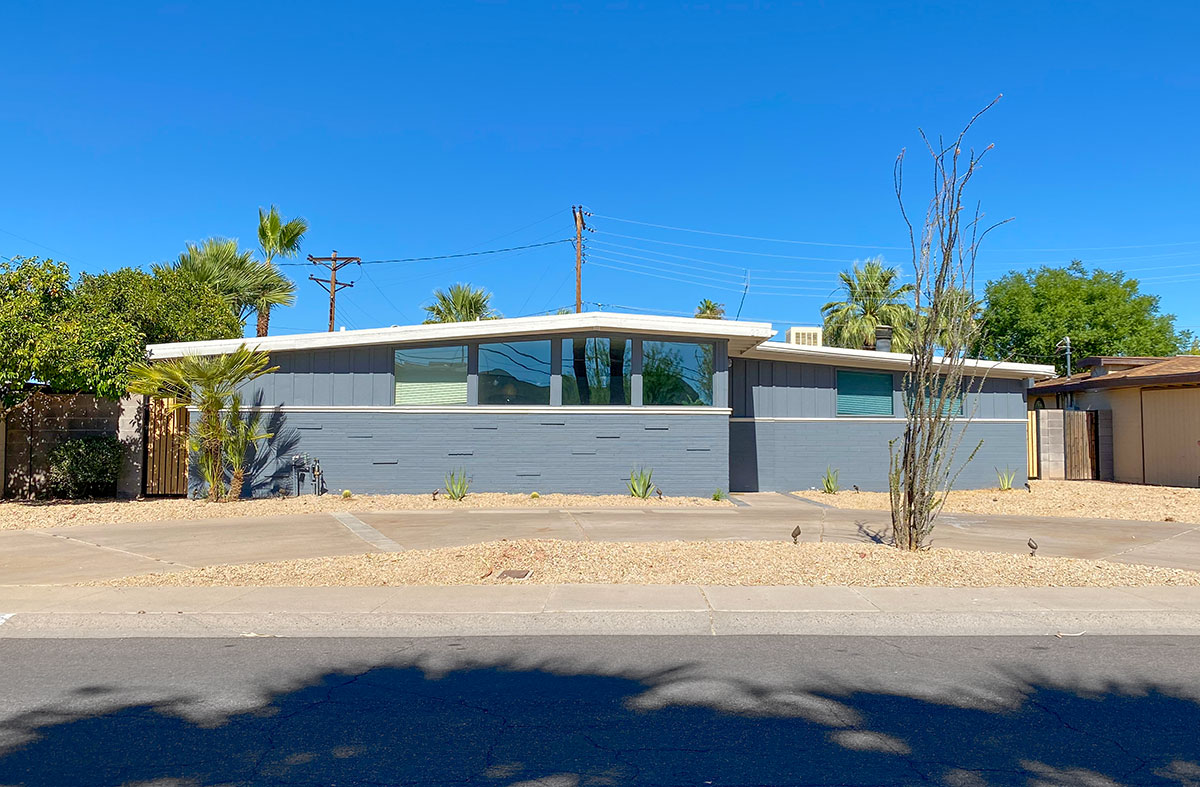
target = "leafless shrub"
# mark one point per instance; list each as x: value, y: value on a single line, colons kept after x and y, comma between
x: 940, y: 375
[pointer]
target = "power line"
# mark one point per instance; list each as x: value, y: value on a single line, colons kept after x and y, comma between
x: 722, y: 250
x: 753, y: 237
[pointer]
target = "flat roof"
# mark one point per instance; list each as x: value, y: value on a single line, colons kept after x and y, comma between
x: 873, y: 359
x: 741, y: 335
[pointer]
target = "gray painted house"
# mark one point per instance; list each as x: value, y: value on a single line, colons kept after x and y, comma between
x: 572, y: 403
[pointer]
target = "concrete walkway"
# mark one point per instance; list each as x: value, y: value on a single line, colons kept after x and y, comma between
x: 97, y: 552
x: 594, y: 609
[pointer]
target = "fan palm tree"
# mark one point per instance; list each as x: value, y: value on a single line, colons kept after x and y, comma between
x: 710, y: 310
x: 241, y: 432
x: 873, y: 296
x: 277, y: 238
x: 209, y: 383
x: 461, y: 303
x: 244, y: 282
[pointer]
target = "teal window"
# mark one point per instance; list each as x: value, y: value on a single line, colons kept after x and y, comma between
x: 596, y: 370
x: 431, y: 375
x: 864, y: 393
x: 677, y: 373
x: 514, y: 373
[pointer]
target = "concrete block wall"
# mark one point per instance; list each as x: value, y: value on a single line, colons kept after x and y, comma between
x: 1052, y: 460
x: 381, y: 451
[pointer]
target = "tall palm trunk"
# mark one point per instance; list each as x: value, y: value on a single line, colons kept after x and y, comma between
x: 264, y: 320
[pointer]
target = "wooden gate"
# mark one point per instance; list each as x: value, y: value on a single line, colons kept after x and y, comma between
x: 1031, y: 447
x: 166, y: 449
x: 1079, y: 445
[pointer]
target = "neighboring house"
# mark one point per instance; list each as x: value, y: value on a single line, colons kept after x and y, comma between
x: 1155, y: 406
x: 573, y: 403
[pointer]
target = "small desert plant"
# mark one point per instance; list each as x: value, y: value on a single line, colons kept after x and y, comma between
x: 534, y: 495
x: 347, y: 494
x: 719, y: 495
x: 456, y: 484
x: 240, y: 434
x: 829, y: 481
x: 86, y: 467
x: 1005, y: 477
x: 640, y: 483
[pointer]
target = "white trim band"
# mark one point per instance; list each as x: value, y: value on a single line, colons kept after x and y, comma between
x: 494, y: 409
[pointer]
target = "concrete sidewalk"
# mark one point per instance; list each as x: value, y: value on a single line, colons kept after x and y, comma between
x: 97, y: 552
x: 594, y: 609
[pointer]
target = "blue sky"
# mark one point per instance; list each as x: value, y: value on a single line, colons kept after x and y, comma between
x: 410, y: 129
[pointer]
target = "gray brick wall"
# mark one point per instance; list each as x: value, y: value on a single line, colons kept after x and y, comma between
x: 404, y: 452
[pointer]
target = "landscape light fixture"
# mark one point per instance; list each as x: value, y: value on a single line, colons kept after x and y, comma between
x: 796, y: 535
x: 1032, y: 547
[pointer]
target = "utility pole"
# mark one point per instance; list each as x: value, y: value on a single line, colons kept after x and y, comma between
x: 332, y: 285
x: 580, y: 226
x: 1065, y: 345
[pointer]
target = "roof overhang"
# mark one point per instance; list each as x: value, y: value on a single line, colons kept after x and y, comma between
x: 1108, y: 381
x: 872, y: 359
x: 742, y: 336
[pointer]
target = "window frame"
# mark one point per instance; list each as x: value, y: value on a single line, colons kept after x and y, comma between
x: 469, y: 354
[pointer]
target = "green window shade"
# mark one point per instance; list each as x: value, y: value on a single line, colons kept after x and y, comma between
x: 431, y: 375
x: 864, y: 393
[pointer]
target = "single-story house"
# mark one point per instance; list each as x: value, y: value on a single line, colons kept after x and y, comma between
x: 573, y: 403
x: 1155, y: 413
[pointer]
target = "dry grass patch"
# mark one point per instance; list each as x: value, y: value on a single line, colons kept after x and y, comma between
x: 28, y: 515
x: 1094, y: 499
x: 677, y: 562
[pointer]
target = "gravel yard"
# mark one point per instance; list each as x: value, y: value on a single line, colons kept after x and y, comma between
x: 21, y: 515
x: 676, y: 562
x: 1095, y: 499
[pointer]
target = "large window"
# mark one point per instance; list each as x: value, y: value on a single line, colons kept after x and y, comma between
x: 864, y: 393
x: 431, y: 375
x: 596, y: 370
x: 677, y: 373
x: 514, y: 373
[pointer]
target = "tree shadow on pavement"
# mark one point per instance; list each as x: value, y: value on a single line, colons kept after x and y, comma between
x: 516, y: 724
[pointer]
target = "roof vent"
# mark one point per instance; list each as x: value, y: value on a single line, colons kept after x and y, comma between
x: 805, y: 335
x: 883, y: 338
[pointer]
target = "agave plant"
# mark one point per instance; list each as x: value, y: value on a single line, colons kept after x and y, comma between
x: 456, y: 484
x: 208, y: 383
x: 641, y: 484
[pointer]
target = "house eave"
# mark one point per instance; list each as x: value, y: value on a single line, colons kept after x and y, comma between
x: 872, y: 359
x: 741, y: 335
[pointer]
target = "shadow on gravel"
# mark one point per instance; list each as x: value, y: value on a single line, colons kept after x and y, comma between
x: 504, y: 725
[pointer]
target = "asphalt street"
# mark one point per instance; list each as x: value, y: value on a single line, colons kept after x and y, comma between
x: 568, y: 711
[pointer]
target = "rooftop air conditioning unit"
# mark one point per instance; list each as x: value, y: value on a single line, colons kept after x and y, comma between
x: 808, y: 336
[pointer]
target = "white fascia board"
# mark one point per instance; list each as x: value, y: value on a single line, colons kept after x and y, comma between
x: 872, y: 359
x: 741, y: 335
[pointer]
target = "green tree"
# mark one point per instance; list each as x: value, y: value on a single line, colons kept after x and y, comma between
x: 1103, y: 312
x: 710, y: 310
x: 461, y: 303
x: 50, y: 337
x: 871, y: 296
x: 277, y: 238
x: 208, y: 383
x: 167, y: 306
x: 241, y: 432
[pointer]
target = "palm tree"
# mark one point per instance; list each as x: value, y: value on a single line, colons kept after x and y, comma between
x: 209, y: 383
x: 244, y: 282
x: 461, y: 303
x: 960, y: 317
x: 241, y: 432
x: 277, y: 238
x: 710, y: 310
x: 872, y: 297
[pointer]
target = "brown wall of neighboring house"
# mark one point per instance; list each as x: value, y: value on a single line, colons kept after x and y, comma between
x: 1126, y: 404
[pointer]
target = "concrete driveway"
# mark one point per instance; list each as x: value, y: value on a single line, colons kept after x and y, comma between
x: 96, y: 552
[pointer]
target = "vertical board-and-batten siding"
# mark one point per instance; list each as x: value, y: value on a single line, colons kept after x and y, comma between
x: 785, y: 430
